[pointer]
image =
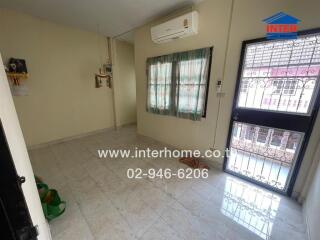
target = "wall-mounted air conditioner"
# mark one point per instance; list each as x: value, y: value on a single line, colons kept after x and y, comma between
x: 183, y: 26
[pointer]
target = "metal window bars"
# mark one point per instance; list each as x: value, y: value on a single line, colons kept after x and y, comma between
x: 264, y: 154
x: 280, y: 75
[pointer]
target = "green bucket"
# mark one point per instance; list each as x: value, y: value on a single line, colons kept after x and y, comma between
x: 52, y: 205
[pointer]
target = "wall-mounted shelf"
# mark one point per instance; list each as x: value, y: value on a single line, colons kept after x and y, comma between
x: 17, y: 77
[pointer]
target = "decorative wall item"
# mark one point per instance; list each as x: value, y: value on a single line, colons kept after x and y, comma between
x: 17, y: 65
x: 103, y: 75
x: 19, y: 90
x: 16, y: 72
x: 105, y: 70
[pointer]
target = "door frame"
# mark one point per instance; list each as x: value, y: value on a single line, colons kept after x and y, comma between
x: 13, y: 205
x: 264, y: 115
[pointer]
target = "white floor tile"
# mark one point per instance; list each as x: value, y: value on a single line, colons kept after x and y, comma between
x: 103, y: 204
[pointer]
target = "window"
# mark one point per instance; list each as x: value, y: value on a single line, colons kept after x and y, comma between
x: 276, y: 138
x: 236, y: 131
x: 293, y: 141
x: 290, y: 87
x: 178, y: 83
x: 244, y: 86
x: 280, y: 75
x: 262, y: 135
x: 278, y: 85
x: 160, y: 86
x: 249, y: 133
x: 285, y: 87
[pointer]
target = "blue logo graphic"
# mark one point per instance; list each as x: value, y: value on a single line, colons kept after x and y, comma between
x: 281, y: 26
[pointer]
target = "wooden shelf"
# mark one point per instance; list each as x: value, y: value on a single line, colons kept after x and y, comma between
x: 17, y: 75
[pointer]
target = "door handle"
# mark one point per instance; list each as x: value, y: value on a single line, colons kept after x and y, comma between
x: 236, y: 116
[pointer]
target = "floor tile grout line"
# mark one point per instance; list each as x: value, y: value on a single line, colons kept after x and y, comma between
x: 78, y: 204
x: 75, y: 148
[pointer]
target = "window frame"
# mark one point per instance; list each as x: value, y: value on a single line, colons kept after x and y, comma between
x: 173, y: 69
x: 298, y: 123
x: 241, y: 76
x: 204, y: 115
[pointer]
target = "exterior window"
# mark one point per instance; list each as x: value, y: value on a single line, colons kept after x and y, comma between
x: 278, y: 85
x: 178, y: 83
x: 293, y: 141
x: 290, y: 87
x: 236, y: 131
x: 262, y: 135
x: 276, y: 138
x: 249, y: 133
x: 244, y: 86
x: 285, y: 87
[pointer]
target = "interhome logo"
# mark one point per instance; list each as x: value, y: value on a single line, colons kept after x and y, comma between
x: 281, y: 26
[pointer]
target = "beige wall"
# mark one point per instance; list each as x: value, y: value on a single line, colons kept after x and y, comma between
x: 213, y: 27
x: 62, y: 100
x: 312, y: 203
x: 124, y: 83
x: 247, y: 16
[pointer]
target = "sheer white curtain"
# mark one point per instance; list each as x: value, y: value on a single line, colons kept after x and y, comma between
x: 177, y: 83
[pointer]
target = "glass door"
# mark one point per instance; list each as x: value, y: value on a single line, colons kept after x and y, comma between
x: 275, y: 106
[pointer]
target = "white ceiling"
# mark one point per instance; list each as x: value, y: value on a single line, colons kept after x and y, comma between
x: 109, y: 17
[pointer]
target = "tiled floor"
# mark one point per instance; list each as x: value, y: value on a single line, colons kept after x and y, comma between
x: 102, y: 203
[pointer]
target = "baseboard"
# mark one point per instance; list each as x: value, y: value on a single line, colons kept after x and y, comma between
x: 214, y: 164
x: 66, y: 139
x: 127, y: 125
x: 211, y: 163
